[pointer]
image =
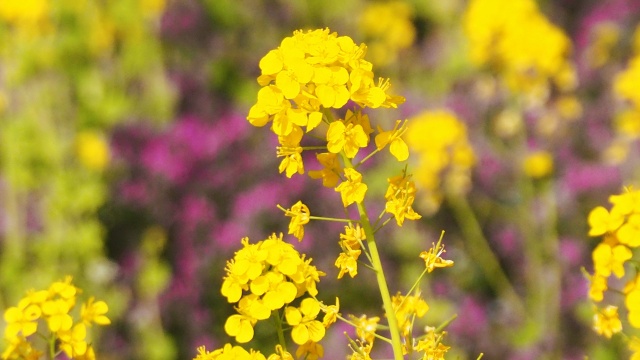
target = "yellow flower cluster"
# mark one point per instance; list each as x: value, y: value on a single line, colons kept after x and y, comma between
x: 309, y: 72
x: 388, y: 27
x: 516, y: 39
x: 620, y: 229
x: 265, y: 277
x: 52, y: 307
x: 627, y: 122
x: 444, y: 155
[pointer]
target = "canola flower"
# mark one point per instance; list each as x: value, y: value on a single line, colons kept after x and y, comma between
x: 620, y: 231
x: 627, y: 121
x: 501, y: 36
x: 307, y: 83
x: 388, y: 28
x: 48, y: 314
x: 445, y: 157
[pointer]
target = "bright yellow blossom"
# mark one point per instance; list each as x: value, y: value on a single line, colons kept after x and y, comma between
x: 366, y: 327
x: 303, y: 320
x: 609, y: 259
x: 393, y: 138
x: 94, y: 312
x: 352, y: 190
x: 331, y: 169
x: 348, y: 137
x: 299, y: 214
x: 432, y: 258
x: 606, y: 321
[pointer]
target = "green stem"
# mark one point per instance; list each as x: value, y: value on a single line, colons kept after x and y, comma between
x: 479, y: 248
x: 396, y: 341
x: 332, y: 219
x: 278, y: 320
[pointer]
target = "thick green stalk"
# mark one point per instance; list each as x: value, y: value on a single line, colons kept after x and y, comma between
x: 396, y: 341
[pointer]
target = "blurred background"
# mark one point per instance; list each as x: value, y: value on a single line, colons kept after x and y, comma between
x: 127, y: 162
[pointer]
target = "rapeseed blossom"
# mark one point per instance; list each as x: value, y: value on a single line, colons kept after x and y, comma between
x: 444, y: 154
x: 264, y: 277
x: 619, y: 230
x: 500, y: 36
x: 53, y: 305
x: 389, y: 29
x: 309, y: 72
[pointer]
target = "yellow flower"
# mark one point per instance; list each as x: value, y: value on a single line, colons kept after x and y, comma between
x: 299, y: 214
x: 445, y: 157
x: 538, y: 164
x: 632, y: 301
x: 73, y: 341
x: 407, y: 308
x: 634, y: 345
x: 352, y: 189
x: 240, y: 327
x: 609, y: 258
x: 57, y: 314
x: 365, y: 327
x: 280, y: 354
x: 20, y: 348
x: 350, y: 242
x: 94, y: 312
x: 310, y: 351
x: 626, y: 83
x: 629, y: 233
x: 92, y: 150
x: 400, y: 196
x: 601, y: 221
x: 347, y: 262
x: 389, y: 26
x: 432, y: 345
x: 606, y: 321
x: 249, y: 260
x: 432, y: 257
x: 331, y: 169
x: 393, y: 138
x: 228, y: 352
x: 331, y: 313
x: 21, y: 319
x: 291, y: 151
x: 597, y: 287
x: 303, y: 320
x: 346, y: 137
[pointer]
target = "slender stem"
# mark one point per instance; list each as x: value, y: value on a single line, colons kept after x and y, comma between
x: 332, y: 219
x: 481, y: 251
x: 549, y: 255
x: 278, y: 320
x: 396, y: 341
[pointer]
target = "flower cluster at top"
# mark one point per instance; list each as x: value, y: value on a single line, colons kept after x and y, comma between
x: 620, y: 229
x: 627, y: 122
x: 516, y: 39
x: 311, y: 72
x: 48, y: 314
x: 445, y: 157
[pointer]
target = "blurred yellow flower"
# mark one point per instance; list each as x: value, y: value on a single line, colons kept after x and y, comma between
x: 538, y: 164
x: 388, y: 26
x: 606, y: 321
x: 92, y: 150
x: 445, y: 157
